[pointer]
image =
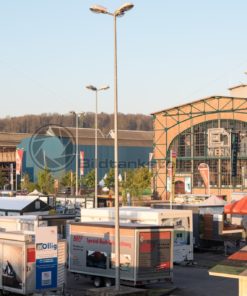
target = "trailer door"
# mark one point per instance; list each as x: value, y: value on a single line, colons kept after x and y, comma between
x: 154, y: 255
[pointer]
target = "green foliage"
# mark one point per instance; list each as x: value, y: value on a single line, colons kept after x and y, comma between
x: 27, y: 185
x: 89, y: 179
x: 68, y: 179
x: 32, y: 186
x: 136, y: 181
x: 109, y: 180
x: 25, y: 182
x: 46, y: 181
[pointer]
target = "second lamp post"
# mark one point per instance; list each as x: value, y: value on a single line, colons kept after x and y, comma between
x: 94, y: 88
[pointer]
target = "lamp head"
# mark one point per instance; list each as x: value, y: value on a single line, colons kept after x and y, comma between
x: 104, y: 87
x: 125, y: 7
x: 98, y: 9
x: 91, y: 87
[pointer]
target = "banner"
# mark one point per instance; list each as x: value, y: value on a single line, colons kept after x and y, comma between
x: 18, y: 159
x: 46, y: 257
x: 204, y: 172
x: 81, y: 163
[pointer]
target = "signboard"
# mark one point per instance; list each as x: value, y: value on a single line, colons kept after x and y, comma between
x: 19, y: 157
x: 46, y: 257
x: 96, y: 253
x: 219, y: 142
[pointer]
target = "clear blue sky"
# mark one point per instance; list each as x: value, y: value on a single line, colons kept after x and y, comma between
x: 169, y: 52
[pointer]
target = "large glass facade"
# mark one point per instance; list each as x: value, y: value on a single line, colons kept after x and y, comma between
x: 211, y: 142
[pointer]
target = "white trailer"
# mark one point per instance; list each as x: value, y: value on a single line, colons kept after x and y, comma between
x: 181, y: 220
x: 18, y: 264
x: 145, y: 252
x: 21, y: 223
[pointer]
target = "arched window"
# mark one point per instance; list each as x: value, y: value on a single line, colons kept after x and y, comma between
x: 210, y: 142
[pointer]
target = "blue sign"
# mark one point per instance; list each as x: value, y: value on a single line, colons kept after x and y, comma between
x: 46, y: 273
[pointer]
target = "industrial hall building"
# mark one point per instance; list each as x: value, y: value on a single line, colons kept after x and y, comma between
x: 55, y: 146
x: 210, y: 131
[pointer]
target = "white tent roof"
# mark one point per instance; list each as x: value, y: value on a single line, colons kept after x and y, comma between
x: 213, y: 201
x: 35, y: 192
x: 15, y: 203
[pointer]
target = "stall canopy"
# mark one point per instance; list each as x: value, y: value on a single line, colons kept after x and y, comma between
x: 213, y: 201
x: 238, y: 207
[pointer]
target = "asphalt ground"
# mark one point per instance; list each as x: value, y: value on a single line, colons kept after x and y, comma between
x: 189, y: 280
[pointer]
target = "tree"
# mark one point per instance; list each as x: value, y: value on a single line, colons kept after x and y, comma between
x: 109, y: 180
x: 30, y: 123
x: 27, y: 185
x: 68, y: 179
x: 46, y: 181
x: 136, y: 181
x: 89, y: 179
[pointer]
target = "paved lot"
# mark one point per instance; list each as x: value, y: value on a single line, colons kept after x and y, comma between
x: 197, y: 282
x: 189, y: 280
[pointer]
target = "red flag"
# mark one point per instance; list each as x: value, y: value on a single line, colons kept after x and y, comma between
x: 18, y: 159
x: 81, y: 163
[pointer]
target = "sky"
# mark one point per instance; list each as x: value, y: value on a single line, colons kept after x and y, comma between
x: 169, y: 53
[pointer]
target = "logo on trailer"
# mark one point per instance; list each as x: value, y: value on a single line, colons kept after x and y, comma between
x: 46, y: 246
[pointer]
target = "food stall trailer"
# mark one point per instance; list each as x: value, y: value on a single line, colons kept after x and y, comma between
x: 146, y: 252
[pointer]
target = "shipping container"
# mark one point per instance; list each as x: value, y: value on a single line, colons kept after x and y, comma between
x: 181, y: 220
x: 146, y: 252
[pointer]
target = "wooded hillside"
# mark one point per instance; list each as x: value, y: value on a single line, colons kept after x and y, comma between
x: 30, y: 123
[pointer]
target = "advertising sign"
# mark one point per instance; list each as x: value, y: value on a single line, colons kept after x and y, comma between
x: 46, y: 257
x: 12, y: 272
x: 219, y: 142
x: 96, y: 254
x: 81, y: 163
x: 19, y: 157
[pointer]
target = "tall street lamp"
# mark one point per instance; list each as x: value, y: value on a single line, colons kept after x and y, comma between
x: 119, y: 12
x: 77, y: 115
x: 94, y: 88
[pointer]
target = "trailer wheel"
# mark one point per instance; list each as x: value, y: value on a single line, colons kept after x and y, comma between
x: 97, y: 281
x: 108, y: 282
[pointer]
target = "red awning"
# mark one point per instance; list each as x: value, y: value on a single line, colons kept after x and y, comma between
x: 238, y: 207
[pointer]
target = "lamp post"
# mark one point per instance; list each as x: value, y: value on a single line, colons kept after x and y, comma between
x: 77, y: 115
x: 119, y: 12
x: 94, y: 88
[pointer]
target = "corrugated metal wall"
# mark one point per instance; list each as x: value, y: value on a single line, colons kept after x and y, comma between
x: 33, y: 161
